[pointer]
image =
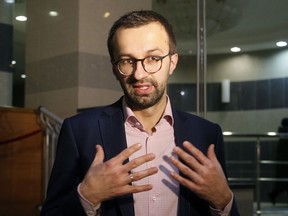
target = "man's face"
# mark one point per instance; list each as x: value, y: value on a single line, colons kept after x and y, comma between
x: 143, y: 90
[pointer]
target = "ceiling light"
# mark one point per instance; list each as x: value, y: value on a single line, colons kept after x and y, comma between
x: 227, y: 133
x: 235, y: 49
x: 53, y: 13
x: 271, y: 133
x: 281, y: 43
x: 106, y: 14
x: 182, y: 93
x: 23, y: 76
x: 10, y: 1
x: 21, y: 18
x: 13, y: 62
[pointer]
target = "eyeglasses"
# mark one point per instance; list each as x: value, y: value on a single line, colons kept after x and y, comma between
x: 151, y: 64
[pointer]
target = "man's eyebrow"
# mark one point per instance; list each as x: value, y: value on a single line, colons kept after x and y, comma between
x: 148, y: 52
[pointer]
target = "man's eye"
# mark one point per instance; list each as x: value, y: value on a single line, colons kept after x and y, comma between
x: 127, y: 61
x: 153, y: 58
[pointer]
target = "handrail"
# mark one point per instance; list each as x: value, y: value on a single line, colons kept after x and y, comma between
x: 257, y: 179
x: 52, y: 125
x: 51, y: 115
x: 267, y: 135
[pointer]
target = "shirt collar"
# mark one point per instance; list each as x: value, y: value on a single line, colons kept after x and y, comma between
x: 131, y: 118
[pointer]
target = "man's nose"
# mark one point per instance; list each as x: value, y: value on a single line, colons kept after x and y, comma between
x: 140, y: 72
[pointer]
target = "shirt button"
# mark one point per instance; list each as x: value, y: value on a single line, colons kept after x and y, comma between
x: 154, y: 198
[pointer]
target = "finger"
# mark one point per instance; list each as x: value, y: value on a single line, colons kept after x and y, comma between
x: 143, y: 174
x: 139, y: 161
x: 184, y: 169
x: 191, y: 183
x: 195, y: 152
x: 136, y: 188
x: 126, y: 153
x: 211, y: 153
x: 187, y: 158
x: 212, y: 156
x: 99, y: 156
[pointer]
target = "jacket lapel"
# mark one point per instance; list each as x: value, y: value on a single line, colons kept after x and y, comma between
x: 114, y: 141
x: 179, y: 134
x: 187, y: 128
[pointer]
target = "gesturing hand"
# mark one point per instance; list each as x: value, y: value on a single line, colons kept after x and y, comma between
x: 105, y: 180
x: 203, y: 175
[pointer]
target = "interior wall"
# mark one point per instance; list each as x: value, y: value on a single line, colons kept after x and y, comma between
x: 265, y: 65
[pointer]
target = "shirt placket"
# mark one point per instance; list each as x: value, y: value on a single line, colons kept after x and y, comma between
x: 154, y: 196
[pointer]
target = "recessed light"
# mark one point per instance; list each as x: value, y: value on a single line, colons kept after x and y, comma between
x: 281, y: 43
x: 53, y: 13
x: 21, y: 18
x: 235, y: 49
x: 271, y: 133
x: 227, y: 133
x: 106, y: 14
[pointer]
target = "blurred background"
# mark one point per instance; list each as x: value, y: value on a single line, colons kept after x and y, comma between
x: 233, y: 70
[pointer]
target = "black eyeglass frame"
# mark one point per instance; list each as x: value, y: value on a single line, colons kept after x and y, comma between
x: 116, y: 63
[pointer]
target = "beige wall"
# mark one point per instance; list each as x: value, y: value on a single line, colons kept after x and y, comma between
x: 6, y: 83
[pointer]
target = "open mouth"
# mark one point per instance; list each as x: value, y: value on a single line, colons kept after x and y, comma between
x: 143, y: 88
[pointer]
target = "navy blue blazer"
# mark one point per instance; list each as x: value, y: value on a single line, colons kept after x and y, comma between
x: 76, y: 151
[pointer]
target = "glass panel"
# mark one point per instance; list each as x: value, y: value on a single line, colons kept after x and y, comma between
x: 247, y: 90
x: 254, y: 81
x: 183, y: 16
x: 19, y: 32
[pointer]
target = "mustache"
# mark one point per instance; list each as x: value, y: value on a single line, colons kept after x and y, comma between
x: 132, y: 80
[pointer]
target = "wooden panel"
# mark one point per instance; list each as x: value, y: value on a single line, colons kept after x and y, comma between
x: 21, y: 166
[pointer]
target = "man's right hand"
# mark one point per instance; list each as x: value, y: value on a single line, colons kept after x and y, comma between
x: 105, y: 180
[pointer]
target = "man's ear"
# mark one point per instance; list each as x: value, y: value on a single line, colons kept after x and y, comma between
x: 115, y: 71
x: 173, y: 63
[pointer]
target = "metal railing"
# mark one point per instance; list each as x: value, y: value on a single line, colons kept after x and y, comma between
x: 257, y: 178
x: 52, y: 124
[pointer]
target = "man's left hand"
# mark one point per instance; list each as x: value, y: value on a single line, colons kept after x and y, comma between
x: 202, y: 174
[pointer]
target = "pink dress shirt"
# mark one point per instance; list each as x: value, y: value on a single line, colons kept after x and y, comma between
x: 163, y: 198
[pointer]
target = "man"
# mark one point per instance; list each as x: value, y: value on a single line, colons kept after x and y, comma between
x: 144, y: 162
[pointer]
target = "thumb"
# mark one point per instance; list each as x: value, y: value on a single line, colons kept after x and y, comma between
x: 99, y: 156
x: 211, y: 153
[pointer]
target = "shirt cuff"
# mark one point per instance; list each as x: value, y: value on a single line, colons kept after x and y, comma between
x: 89, y: 208
x: 225, y: 211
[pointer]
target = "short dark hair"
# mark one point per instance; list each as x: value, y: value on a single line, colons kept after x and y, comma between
x: 139, y: 18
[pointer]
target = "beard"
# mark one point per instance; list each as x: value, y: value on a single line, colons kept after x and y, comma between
x: 144, y: 101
